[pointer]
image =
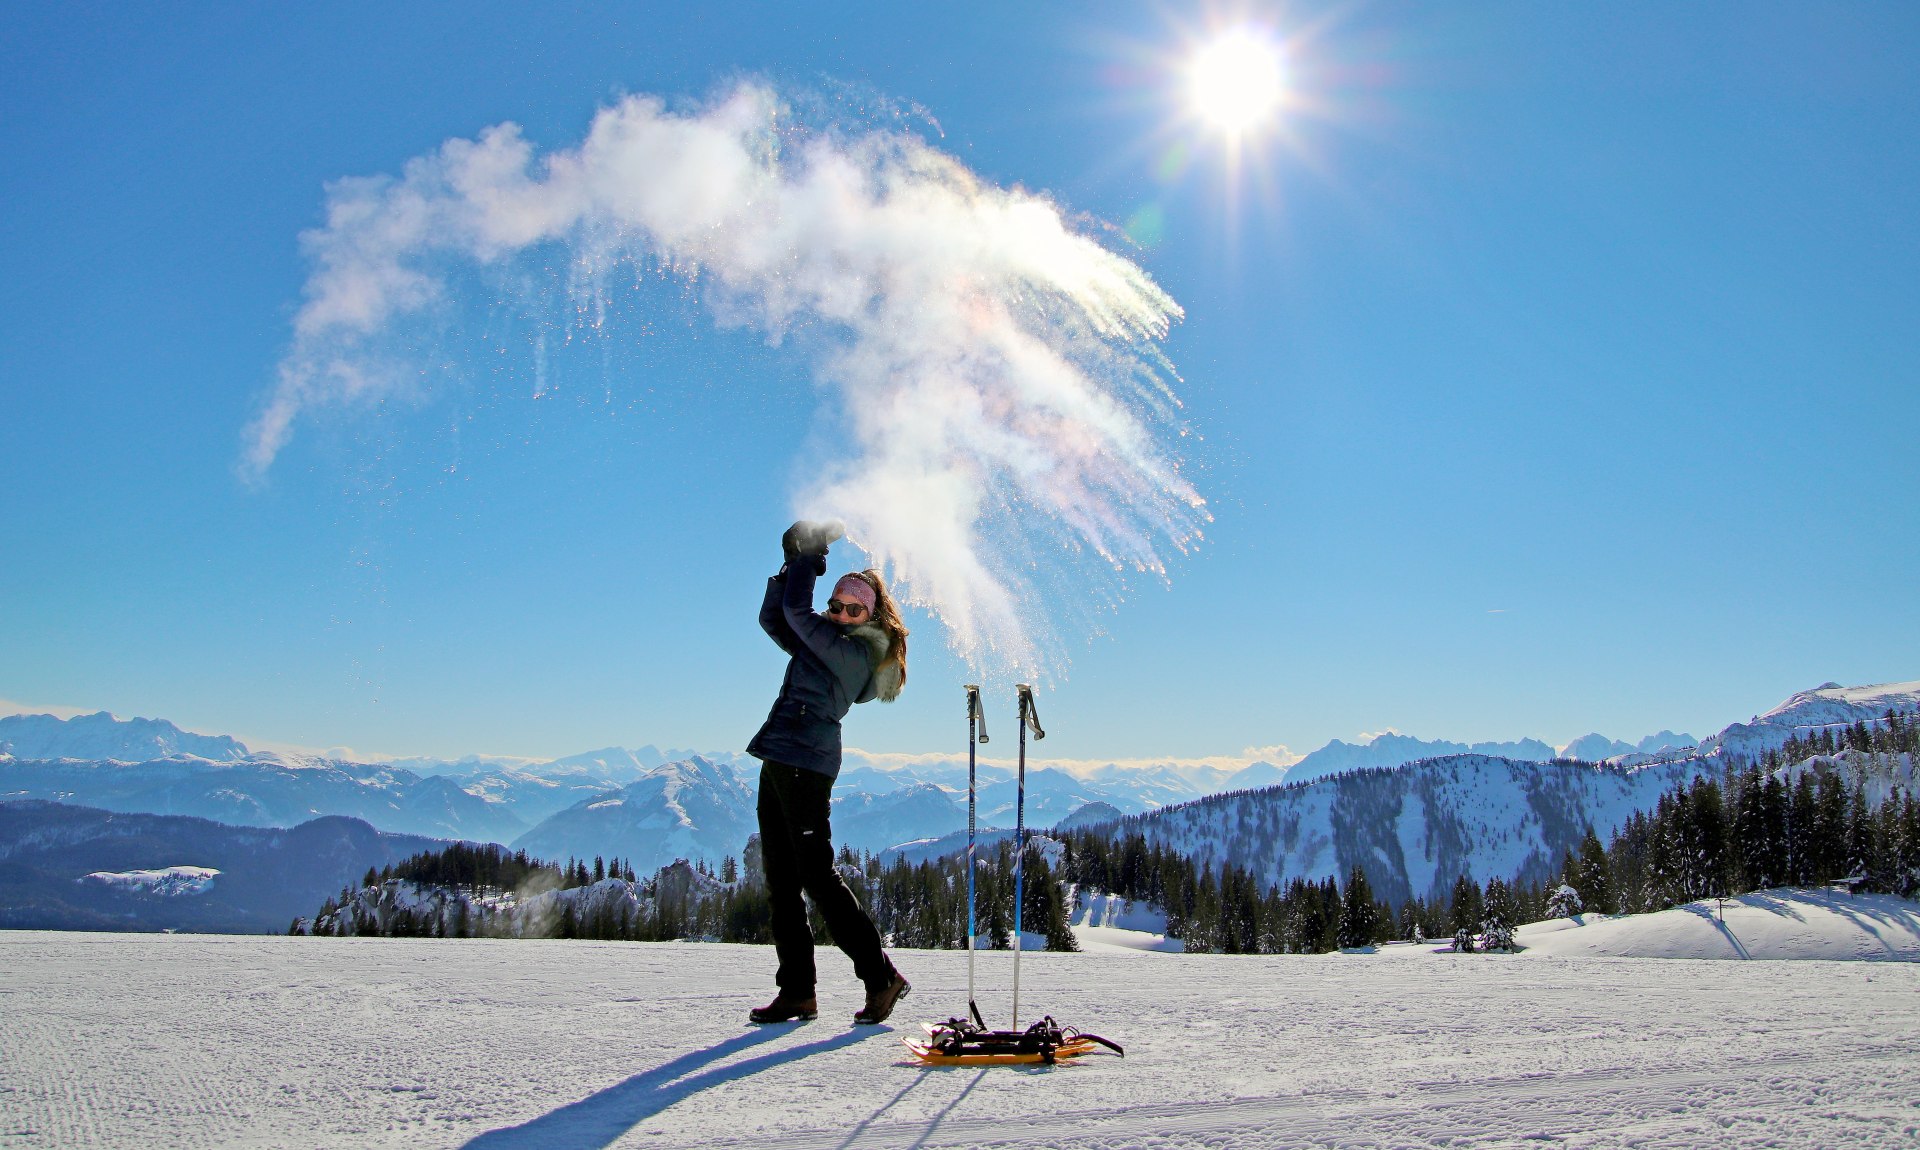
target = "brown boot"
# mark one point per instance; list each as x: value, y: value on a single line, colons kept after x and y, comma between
x: 880, y: 1001
x: 785, y: 1009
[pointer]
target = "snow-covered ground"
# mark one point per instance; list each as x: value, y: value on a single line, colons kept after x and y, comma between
x: 1108, y: 922
x: 142, y: 1040
x: 1764, y: 924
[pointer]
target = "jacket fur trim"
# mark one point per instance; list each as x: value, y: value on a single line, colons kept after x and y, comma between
x: 887, y: 677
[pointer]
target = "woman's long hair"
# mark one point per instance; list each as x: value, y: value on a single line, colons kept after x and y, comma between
x: 886, y: 616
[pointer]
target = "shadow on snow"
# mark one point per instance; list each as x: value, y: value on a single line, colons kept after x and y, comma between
x: 601, y: 1118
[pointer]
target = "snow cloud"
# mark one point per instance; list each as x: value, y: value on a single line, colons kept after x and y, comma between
x: 1010, y: 421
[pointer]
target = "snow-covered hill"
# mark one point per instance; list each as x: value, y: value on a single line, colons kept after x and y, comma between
x: 1418, y: 826
x: 1093, y: 814
x: 1414, y: 828
x: 1766, y: 924
x: 1826, y: 706
x: 537, y: 912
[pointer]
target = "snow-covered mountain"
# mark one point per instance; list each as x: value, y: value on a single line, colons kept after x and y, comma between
x: 1393, y: 749
x: 871, y: 822
x: 1415, y: 828
x: 103, y: 737
x: 68, y: 867
x: 265, y: 791
x: 690, y: 809
x: 1598, y: 748
x: 1826, y: 706
x: 1093, y: 814
x: 879, y: 801
x: 531, y: 796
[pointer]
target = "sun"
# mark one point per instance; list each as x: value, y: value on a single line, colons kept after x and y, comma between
x: 1235, y: 82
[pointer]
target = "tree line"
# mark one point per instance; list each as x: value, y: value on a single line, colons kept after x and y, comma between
x: 1780, y: 822
x: 1224, y: 910
x: 470, y: 890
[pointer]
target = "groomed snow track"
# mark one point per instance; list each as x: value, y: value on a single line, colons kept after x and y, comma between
x: 131, y: 1040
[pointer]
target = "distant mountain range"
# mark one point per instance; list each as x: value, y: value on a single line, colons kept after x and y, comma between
x: 1415, y: 827
x: 266, y: 791
x: 101, y: 737
x: 649, y: 806
x: 1393, y: 749
x: 67, y: 867
x: 691, y: 809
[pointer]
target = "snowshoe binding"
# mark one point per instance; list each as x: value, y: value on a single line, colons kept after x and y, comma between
x: 960, y: 1042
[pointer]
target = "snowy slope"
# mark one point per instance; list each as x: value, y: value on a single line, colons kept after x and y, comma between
x: 149, y: 1041
x: 1093, y: 814
x: 1414, y: 828
x: 1105, y: 923
x: 1770, y: 924
x: 1828, y: 705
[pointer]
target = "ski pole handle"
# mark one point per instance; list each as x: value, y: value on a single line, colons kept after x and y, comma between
x: 1029, y: 714
x: 976, y: 712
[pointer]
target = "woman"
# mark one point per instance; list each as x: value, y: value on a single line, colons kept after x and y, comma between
x: 856, y: 651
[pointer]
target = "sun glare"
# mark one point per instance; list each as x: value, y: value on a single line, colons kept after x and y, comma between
x: 1236, y: 82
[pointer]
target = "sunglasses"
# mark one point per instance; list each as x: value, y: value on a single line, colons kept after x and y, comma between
x: 851, y: 610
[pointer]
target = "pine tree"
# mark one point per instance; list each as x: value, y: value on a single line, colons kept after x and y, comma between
x: 1497, y: 917
x: 1860, y: 828
x: 1357, y: 919
x: 1594, y: 880
x: 1830, y: 830
x: 1466, y: 915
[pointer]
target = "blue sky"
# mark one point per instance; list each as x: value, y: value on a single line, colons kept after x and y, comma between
x: 1553, y: 370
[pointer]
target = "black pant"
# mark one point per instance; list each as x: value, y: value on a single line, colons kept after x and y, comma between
x: 797, y: 850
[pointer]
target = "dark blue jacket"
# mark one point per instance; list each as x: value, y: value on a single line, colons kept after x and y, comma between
x: 831, y: 669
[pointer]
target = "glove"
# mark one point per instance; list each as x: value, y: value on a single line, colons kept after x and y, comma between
x: 812, y: 539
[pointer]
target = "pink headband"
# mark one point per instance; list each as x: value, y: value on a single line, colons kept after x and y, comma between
x: 856, y: 589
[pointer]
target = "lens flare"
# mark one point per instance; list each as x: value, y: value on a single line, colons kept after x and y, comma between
x: 1235, y: 82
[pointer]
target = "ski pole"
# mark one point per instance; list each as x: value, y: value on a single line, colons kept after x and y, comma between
x: 976, y: 734
x: 1029, y: 717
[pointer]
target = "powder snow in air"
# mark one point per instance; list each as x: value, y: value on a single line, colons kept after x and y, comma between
x: 994, y: 373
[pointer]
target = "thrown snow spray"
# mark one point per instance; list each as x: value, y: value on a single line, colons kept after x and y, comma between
x: 1010, y: 417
